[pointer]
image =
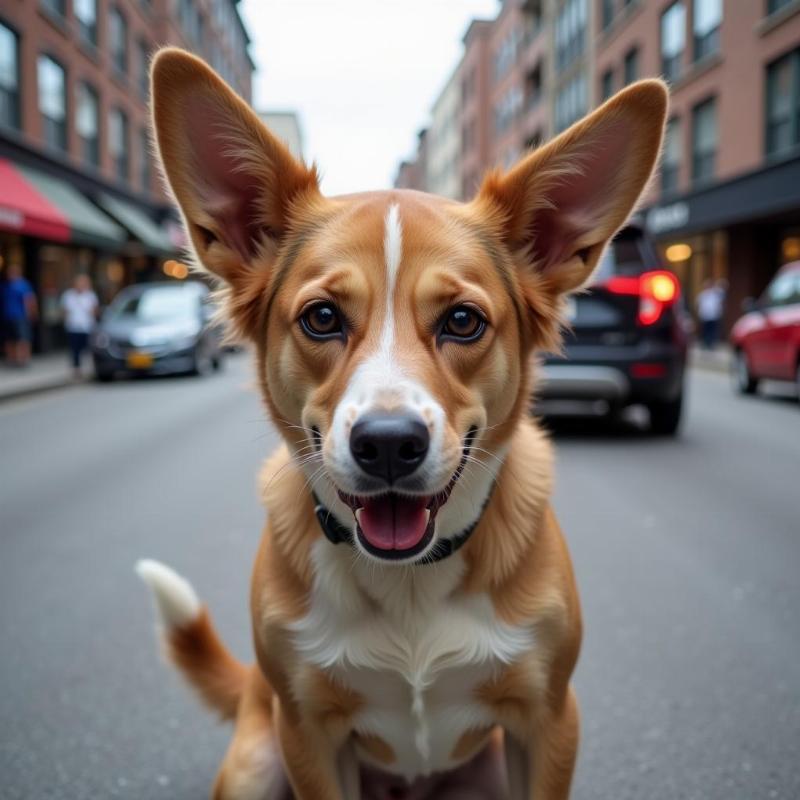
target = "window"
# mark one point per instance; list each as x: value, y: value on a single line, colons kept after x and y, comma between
x: 55, y: 7
x: 87, y: 123
x: 533, y: 87
x: 671, y: 160
x: 607, y: 84
x: 707, y: 19
x: 570, y: 32
x: 9, y: 78
x: 783, y: 104
x: 118, y: 143
x: 143, y: 58
x: 506, y: 53
x: 507, y: 109
x: 118, y: 40
x: 704, y: 140
x: 607, y: 13
x: 86, y: 17
x: 570, y: 102
x: 776, y: 5
x: 673, y: 40
x: 52, y: 102
x: 784, y: 290
x: 144, y: 160
x: 631, y: 65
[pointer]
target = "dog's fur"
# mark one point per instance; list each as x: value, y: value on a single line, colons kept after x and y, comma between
x: 373, y: 678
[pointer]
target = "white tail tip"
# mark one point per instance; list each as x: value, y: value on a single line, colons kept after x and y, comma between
x: 177, y: 602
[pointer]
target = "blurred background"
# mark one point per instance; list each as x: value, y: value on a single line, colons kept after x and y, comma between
x: 128, y: 429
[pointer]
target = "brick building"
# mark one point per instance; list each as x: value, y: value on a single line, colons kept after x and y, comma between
x: 79, y: 189
x: 728, y: 190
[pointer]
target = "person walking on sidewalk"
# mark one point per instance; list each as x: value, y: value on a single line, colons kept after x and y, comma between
x: 19, y: 311
x: 710, y: 303
x: 80, y: 311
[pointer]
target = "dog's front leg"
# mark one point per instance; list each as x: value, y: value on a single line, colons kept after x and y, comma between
x: 540, y: 764
x: 312, y: 760
x: 349, y: 772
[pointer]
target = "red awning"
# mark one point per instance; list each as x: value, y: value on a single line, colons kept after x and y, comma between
x: 24, y: 210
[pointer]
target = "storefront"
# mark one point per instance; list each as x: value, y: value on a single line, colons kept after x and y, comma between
x: 740, y: 231
x: 55, y: 232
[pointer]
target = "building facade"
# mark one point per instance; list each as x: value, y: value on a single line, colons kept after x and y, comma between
x: 728, y: 188
x: 80, y: 189
x: 443, y: 168
x: 286, y: 126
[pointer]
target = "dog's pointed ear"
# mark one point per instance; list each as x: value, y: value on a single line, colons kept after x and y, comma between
x: 559, y: 206
x: 235, y: 182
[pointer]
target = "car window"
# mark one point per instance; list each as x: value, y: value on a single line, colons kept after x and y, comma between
x: 629, y: 254
x: 156, y: 305
x: 784, y: 289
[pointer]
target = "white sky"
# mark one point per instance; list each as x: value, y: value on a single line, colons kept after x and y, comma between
x: 362, y: 74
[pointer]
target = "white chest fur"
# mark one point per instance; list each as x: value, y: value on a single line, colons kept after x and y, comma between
x: 412, y: 646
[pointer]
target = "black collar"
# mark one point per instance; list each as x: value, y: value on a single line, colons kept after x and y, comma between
x: 336, y: 533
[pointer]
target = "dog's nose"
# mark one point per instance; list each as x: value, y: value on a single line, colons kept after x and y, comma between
x: 389, y: 446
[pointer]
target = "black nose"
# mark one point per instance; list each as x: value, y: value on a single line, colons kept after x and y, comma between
x: 389, y: 446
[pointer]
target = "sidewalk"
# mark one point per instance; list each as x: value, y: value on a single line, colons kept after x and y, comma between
x: 716, y: 360
x: 42, y: 374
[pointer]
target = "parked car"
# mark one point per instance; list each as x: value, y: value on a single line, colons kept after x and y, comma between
x: 157, y: 328
x: 766, y: 340
x: 628, y: 339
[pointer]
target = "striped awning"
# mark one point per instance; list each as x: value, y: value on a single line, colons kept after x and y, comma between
x: 38, y: 204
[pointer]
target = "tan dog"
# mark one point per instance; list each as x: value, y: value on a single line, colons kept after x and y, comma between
x: 414, y: 612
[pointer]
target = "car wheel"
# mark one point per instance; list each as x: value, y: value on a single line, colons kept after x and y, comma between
x: 665, y: 416
x: 218, y: 362
x: 103, y: 376
x: 203, y: 363
x: 745, y: 383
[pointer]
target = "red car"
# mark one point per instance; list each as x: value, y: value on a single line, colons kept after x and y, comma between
x: 766, y: 340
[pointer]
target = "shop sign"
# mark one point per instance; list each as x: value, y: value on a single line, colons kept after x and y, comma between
x: 668, y: 218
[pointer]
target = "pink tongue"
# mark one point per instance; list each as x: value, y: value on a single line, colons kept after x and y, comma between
x: 393, y: 523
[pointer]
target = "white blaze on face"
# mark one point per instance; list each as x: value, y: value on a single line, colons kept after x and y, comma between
x: 380, y: 382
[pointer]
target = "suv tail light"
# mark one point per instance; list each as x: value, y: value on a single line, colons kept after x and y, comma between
x: 656, y: 291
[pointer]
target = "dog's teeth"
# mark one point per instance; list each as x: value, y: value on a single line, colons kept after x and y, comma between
x: 427, y: 516
x: 358, y: 515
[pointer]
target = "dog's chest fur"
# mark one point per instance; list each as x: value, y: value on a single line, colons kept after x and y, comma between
x: 413, y: 647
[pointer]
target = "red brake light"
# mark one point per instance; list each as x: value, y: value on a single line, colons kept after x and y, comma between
x: 656, y: 290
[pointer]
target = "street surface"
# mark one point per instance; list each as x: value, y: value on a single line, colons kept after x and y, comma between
x: 687, y: 554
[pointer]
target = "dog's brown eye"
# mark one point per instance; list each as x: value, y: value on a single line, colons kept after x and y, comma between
x: 322, y: 321
x: 463, y: 324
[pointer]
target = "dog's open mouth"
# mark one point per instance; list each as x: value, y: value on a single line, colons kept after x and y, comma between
x: 399, y: 526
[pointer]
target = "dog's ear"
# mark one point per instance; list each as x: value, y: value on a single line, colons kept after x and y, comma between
x: 560, y: 205
x: 235, y: 182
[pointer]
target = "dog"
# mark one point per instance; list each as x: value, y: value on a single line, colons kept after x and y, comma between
x: 415, y: 616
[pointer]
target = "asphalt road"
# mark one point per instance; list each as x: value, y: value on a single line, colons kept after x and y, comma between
x: 687, y: 554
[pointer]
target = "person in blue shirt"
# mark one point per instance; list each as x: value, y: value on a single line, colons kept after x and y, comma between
x: 19, y: 310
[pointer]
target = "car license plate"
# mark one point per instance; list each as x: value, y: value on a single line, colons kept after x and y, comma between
x: 571, y: 309
x: 139, y: 360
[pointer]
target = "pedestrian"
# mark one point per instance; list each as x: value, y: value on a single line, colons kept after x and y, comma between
x: 710, y: 302
x: 19, y: 311
x: 79, y: 305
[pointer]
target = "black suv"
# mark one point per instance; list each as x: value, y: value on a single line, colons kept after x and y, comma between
x: 627, y: 339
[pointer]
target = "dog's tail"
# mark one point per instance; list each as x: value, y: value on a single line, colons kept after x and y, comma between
x: 191, y: 641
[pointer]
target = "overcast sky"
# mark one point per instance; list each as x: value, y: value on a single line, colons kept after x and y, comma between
x: 361, y: 73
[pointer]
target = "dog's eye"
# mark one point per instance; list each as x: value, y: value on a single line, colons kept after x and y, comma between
x: 322, y: 321
x: 463, y: 324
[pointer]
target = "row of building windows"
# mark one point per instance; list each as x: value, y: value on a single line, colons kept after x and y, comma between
x: 54, y: 112
x: 570, y: 32
x: 782, y: 135
x: 227, y: 35
x: 706, y: 22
